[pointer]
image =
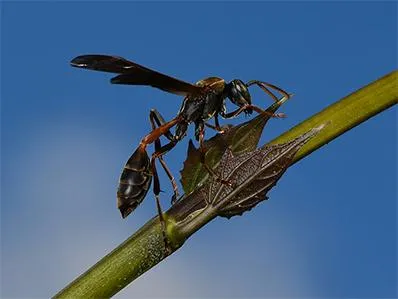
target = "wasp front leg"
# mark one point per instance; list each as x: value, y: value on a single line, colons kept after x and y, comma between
x: 247, y: 107
x: 266, y: 86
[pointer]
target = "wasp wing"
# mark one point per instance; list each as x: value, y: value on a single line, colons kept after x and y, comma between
x: 134, y: 74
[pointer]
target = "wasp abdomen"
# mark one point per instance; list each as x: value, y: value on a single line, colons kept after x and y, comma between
x: 134, y: 182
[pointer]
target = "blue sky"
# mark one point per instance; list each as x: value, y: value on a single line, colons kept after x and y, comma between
x: 329, y: 228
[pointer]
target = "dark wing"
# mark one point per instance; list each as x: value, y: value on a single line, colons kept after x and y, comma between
x: 134, y: 74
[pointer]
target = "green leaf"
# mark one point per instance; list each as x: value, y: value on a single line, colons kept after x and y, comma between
x: 252, y: 175
x: 241, y: 139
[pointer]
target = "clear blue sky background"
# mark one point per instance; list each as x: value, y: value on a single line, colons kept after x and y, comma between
x: 329, y: 228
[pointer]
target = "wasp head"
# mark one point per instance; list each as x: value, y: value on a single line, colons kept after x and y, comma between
x: 238, y: 93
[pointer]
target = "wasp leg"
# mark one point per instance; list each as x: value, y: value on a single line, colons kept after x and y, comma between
x: 156, y: 119
x: 252, y: 107
x: 216, y: 126
x: 218, y: 129
x: 159, y: 131
x: 265, y: 87
x: 200, y: 129
x: 156, y: 191
x: 156, y: 187
x: 152, y: 137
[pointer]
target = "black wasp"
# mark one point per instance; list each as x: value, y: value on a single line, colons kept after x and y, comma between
x: 202, y: 101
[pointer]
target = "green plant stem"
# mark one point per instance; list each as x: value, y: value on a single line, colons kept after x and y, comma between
x: 345, y: 114
x: 145, y: 248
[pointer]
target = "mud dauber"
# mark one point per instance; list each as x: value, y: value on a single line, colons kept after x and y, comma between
x: 202, y: 101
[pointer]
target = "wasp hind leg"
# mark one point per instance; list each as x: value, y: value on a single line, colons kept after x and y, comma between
x: 153, y: 137
x: 156, y: 119
x: 160, y: 151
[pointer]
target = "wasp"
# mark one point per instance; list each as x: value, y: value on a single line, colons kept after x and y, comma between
x: 202, y: 101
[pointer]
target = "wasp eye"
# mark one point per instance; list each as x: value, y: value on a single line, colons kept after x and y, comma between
x: 241, y: 89
x: 237, y: 86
